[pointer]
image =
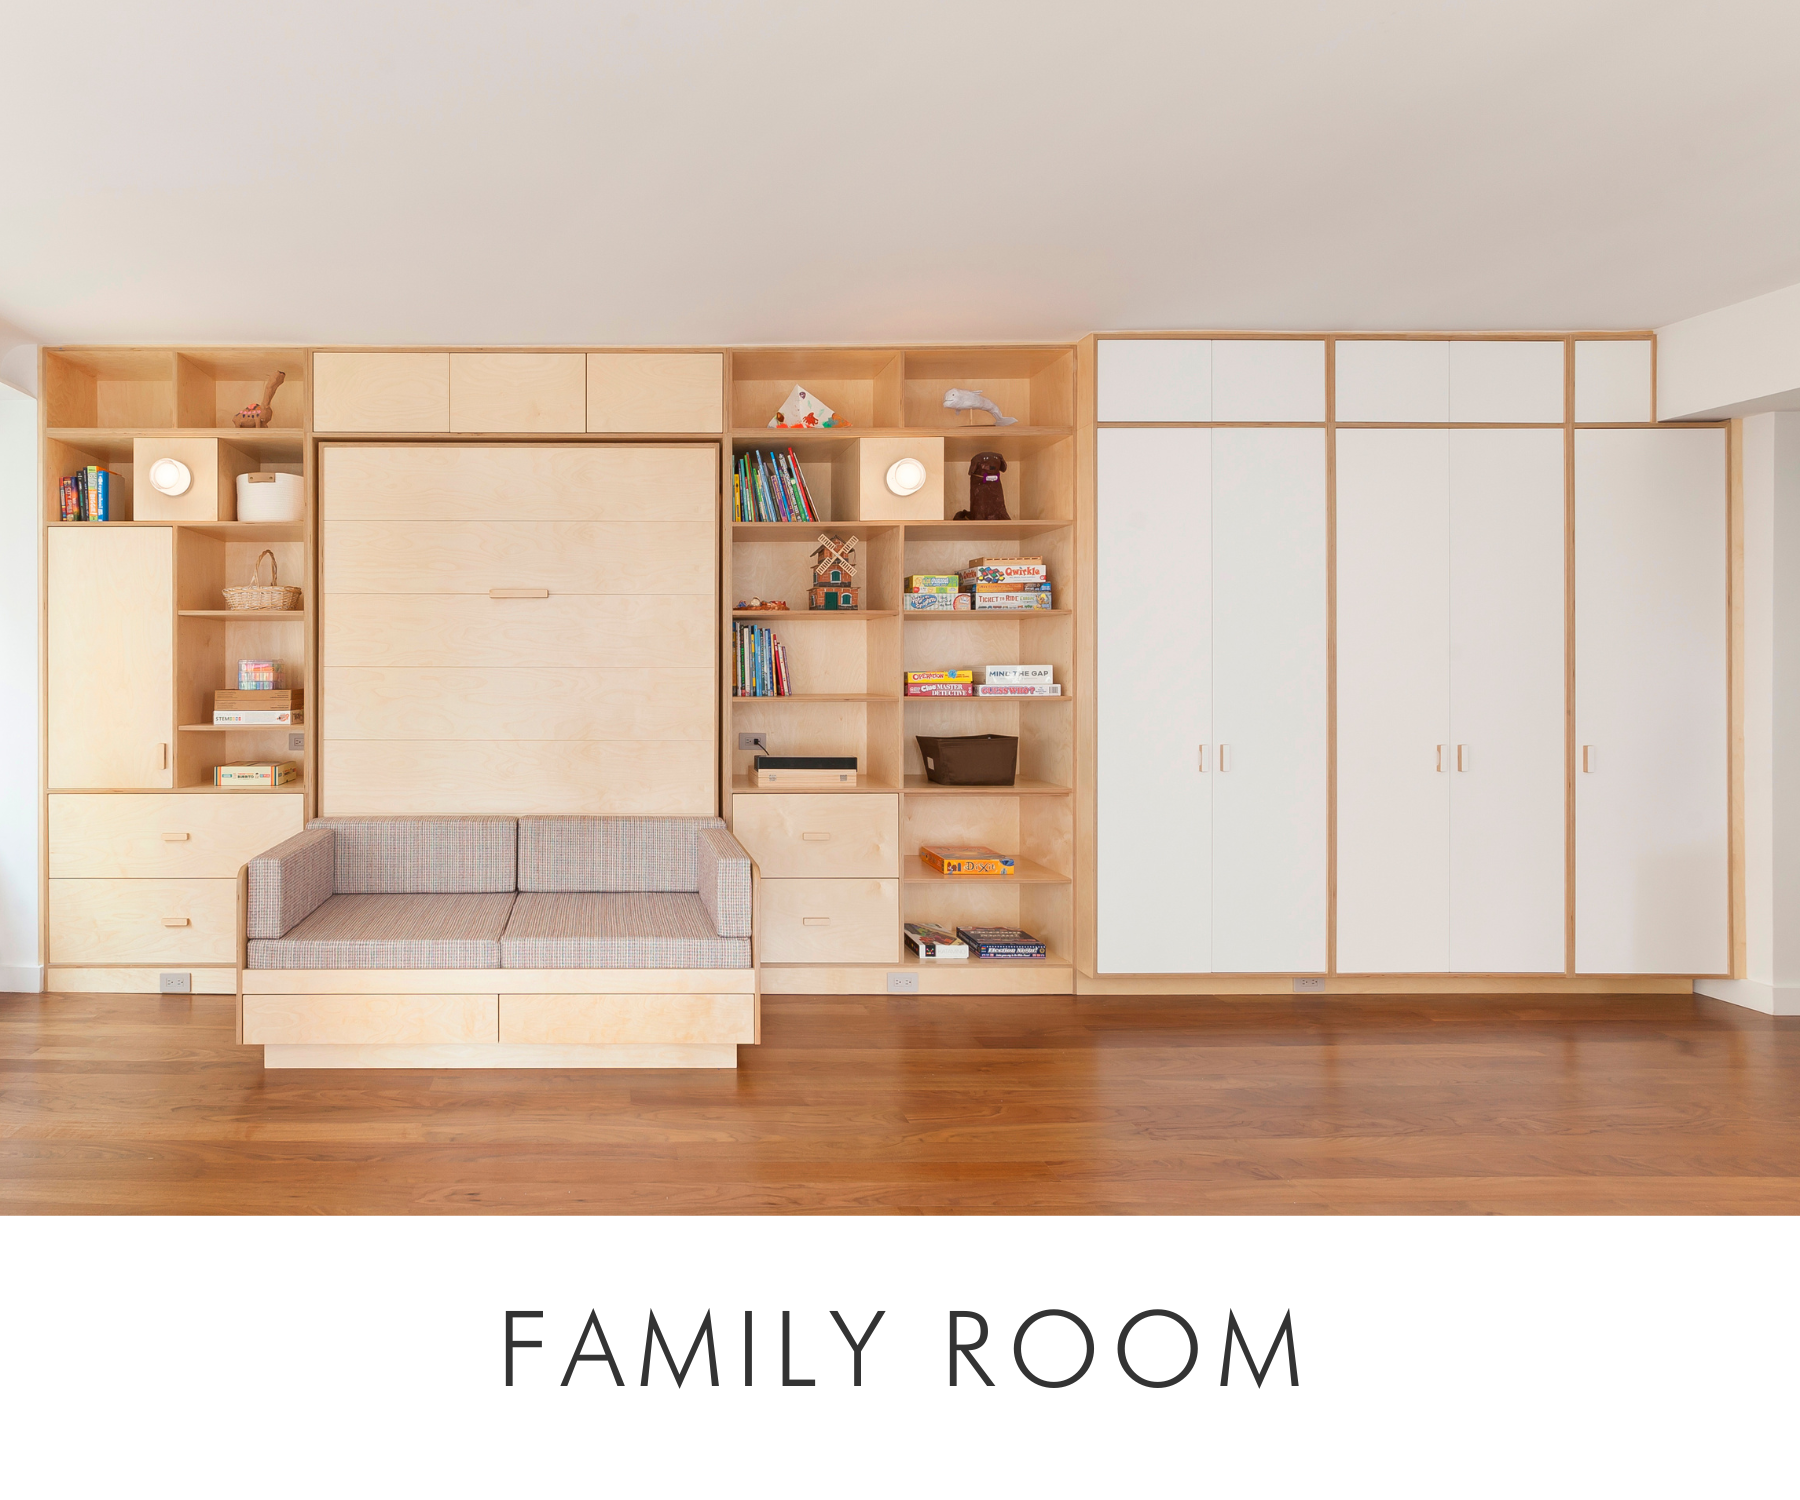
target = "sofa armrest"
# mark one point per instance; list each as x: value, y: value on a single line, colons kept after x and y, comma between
x: 724, y: 871
x: 289, y: 882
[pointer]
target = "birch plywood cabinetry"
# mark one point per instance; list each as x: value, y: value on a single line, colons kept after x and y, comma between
x: 382, y: 392
x: 520, y: 629
x: 518, y: 393
x: 655, y: 392
x: 149, y: 836
x: 110, y: 641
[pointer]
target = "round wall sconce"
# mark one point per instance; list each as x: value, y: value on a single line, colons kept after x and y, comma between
x: 906, y: 476
x: 170, y: 476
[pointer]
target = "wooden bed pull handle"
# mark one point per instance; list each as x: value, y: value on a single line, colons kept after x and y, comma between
x: 176, y: 922
x: 518, y: 593
x: 817, y: 838
x: 815, y: 921
x: 176, y: 838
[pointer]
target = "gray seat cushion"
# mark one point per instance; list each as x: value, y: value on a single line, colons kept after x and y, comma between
x: 392, y: 932
x: 617, y: 930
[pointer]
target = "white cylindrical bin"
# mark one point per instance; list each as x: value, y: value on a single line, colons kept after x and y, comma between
x: 270, y: 497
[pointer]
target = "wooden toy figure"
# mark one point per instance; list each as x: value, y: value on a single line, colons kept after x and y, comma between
x: 832, y: 575
x: 257, y: 413
x: 987, y: 496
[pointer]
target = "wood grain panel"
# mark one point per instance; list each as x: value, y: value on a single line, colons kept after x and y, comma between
x: 392, y: 1019
x: 538, y: 703
x: 523, y: 482
x: 510, y: 778
x: 494, y: 1056
x: 110, y: 657
x: 655, y: 392
x: 123, y: 922
x: 381, y: 392
x: 611, y: 1020
x: 793, y: 837
x: 98, y: 981
x: 565, y: 557
x: 136, y: 837
x: 830, y: 921
x: 518, y: 393
x: 464, y: 630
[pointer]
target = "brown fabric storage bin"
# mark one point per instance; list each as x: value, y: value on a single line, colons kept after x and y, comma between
x: 970, y: 759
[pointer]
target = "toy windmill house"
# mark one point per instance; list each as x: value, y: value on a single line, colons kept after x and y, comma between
x: 833, y: 574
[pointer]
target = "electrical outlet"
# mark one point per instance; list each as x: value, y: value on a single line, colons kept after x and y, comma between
x: 175, y: 984
x: 903, y: 983
x: 296, y: 742
x: 758, y: 742
x: 1312, y: 984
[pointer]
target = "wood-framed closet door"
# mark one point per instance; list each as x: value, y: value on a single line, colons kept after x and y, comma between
x: 513, y: 629
x: 1393, y: 700
x: 1269, y: 770
x: 1152, y: 700
x: 1508, y: 811
x: 1652, y: 649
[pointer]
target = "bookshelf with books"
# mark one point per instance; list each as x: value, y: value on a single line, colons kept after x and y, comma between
x: 124, y: 788
x: 898, y: 393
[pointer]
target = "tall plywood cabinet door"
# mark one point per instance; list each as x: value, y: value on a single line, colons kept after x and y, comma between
x: 111, y: 657
x: 1152, y: 683
x: 1268, y: 769
x: 1393, y: 725
x: 1651, y: 707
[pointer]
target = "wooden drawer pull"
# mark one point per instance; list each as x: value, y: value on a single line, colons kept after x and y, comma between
x: 816, y: 837
x: 176, y: 838
x: 815, y: 921
x: 177, y: 922
x: 518, y: 593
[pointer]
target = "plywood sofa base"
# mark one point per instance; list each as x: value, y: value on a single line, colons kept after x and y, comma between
x: 494, y: 1055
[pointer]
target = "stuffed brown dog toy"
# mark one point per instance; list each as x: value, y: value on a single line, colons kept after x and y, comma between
x: 987, y: 496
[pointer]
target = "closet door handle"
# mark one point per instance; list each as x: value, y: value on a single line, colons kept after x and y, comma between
x: 177, y: 922
x: 162, y: 757
x: 817, y: 838
x: 1462, y: 757
x: 1587, y: 757
x: 1202, y: 765
x: 176, y: 838
x: 518, y: 593
x: 1440, y: 757
x: 1224, y: 758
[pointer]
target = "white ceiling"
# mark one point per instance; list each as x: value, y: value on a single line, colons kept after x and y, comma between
x: 613, y: 172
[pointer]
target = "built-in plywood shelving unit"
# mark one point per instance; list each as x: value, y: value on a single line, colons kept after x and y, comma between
x: 849, y: 676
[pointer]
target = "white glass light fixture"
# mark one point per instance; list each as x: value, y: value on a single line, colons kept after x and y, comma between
x: 170, y: 476
x: 906, y: 476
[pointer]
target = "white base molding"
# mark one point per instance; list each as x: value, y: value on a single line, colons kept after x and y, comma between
x: 1753, y: 994
x: 1384, y: 984
x: 22, y: 980
x: 491, y: 1055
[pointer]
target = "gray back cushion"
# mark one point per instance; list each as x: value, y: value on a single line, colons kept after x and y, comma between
x: 424, y: 856
x: 610, y: 854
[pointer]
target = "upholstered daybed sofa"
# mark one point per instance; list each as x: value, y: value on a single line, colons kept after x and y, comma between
x: 547, y: 942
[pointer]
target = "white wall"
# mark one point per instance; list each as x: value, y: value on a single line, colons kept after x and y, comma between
x: 1732, y: 361
x: 20, y: 965
x: 1771, y: 979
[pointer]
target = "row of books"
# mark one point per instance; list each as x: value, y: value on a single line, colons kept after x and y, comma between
x: 1019, y: 681
x: 770, y: 487
x: 759, y: 663
x: 87, y: 494
x: 932, y: 941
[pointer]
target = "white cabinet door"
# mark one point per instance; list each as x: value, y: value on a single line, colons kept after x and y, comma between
x: 1154, y: 380
x: 1269, y: 770
x: 1152, y: 696
x: 1504, y: 380
x: 1508, y: 803
x: 1393, y: 717
x: 1612, y: 380
x: 1651, y: 712
x: 1268, y: 380
x: 1393, y: 380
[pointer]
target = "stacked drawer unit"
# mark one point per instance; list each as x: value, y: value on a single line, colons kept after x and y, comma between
x: 830, y: 866
x: 144, y: 884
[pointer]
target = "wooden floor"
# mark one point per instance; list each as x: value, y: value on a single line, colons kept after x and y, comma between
x: 132, y: 1104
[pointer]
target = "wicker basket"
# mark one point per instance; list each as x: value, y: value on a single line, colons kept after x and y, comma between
x: 257, y: 595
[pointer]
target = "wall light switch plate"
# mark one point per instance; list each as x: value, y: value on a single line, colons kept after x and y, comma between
x: 296, y: 742
x: 175, y: 984
x: 758, y: 742
x: 1311, y: 985
x: 902, y: 983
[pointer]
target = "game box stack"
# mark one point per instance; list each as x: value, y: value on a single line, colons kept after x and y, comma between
x: 1024, y: 681
x: 935, y: 591
x: 257, y: 709
x: 952, y: 682
x: 256, y: 773
x: 999, y: 583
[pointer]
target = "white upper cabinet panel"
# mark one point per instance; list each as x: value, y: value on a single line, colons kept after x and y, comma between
x: 1501, y: 380
x: 1612, y: 380
x: 1393, y: 380
x: 1154, y: 380
x: 1268, y: 380
x: 1153, y: 693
